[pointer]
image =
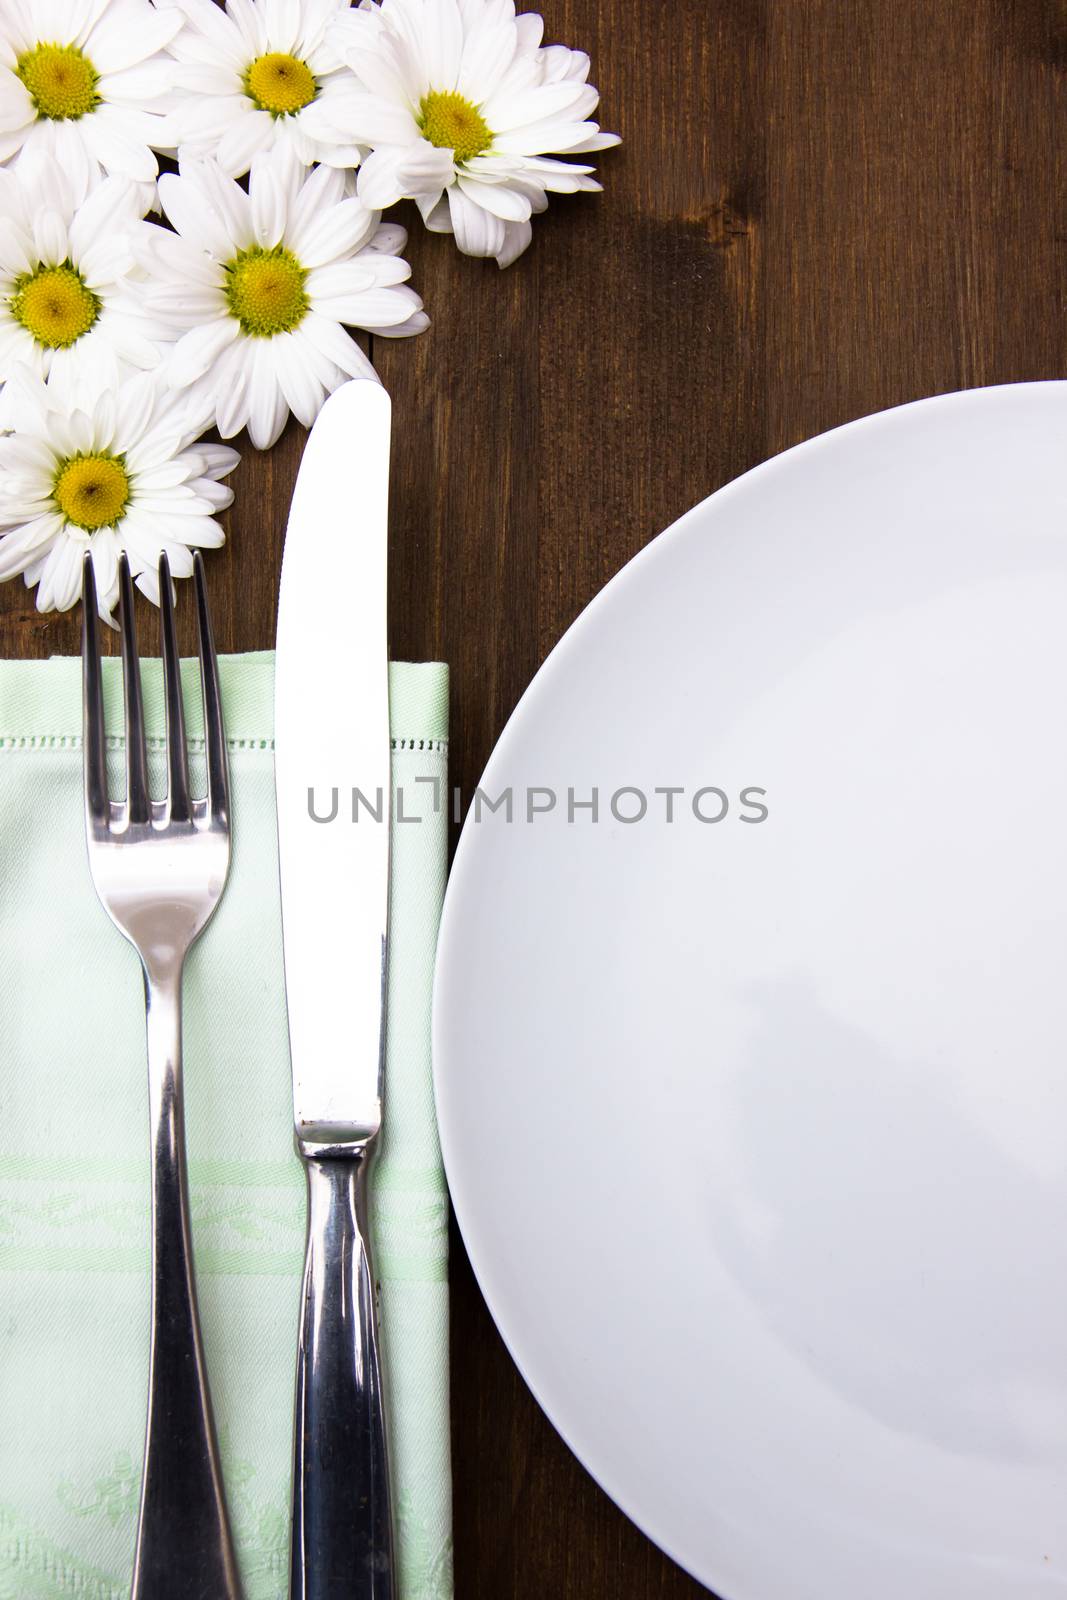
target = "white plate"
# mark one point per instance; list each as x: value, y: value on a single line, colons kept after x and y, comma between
x: 757, y: 1132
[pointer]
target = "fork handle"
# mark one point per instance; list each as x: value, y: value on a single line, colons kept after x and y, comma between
x: 342, y: 1532
x: 184, y: 1550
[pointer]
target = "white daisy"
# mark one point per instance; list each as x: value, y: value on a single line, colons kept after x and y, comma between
x: 69, y: 300
x: 124, y: 475
x: 460, y: 106
x: 257, y: 75
x: 261, y: 283
x: 84, y: 81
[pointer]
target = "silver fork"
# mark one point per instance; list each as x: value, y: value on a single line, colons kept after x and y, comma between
x: 159, y: 867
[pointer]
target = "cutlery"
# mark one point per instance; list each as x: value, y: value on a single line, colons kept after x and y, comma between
x: 159, y: 867
x: 332, y: 740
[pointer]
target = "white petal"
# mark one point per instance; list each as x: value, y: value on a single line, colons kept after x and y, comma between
x: 168, y: 258
x: 216, y: 460
x: 268, y: 207
x: 197, y: 351
x: 332, y: 342
x: 320, y: 189
x: 19, y: 547
x: 49, y: 185
x: 389, y: 239
x: 342, y: 277
x: 59, y: 584
x: 190, y: 212
x: 111, y: 208
x: 531, y: 29
x: 150, y: 85
x: 208, y: 20
x: 50, y: 238
x: 106, y: 262
x: 250, y: 20
x: 478, y: 232
x: 105, y: 569
x: 558, y: 63
x: 372, y: 308
x: 267, y: 409
x: 72, y: 155
x: 134, y: 404
x: 202, y: 532
x: 116, y: 151
x: 336, y: 232
x: 418, y: 322
x: 282, y: 21
x: 28, y: 457
x: 442, y: 43
x: 595, y: 141
x: 435, y: 212
x: 497, y: 198
x: 233, y: 394
x: 425, y: 170
x: 113, y: 45
x: 164, y: 477
x: 487, y: 53
x: 243, y: 141
x: 370, y: 119
x: 201, y: 127
x: 200, y: 80
x: 216, y: 496
x: 542, y: 103
x: 17, y: 110
x: 376, y: 73
x: 18, y: 115
x: 517, y: 236
x: 16, y: 249
x: 156, y: 446
x: 539, y: 137
x: 379, y: 183
x: 230, y: 201
x: 303, y: 391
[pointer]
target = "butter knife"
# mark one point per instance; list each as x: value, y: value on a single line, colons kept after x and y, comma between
x: 332, y: 775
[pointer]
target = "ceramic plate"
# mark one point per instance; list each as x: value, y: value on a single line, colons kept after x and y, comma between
x: 756, y: 1120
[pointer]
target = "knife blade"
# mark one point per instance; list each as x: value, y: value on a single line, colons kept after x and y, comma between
x: 331, y: 736
x: 332, y: 780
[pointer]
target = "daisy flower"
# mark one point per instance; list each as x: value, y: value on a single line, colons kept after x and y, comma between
x: 122, y: 475
x: 82, y: 81
x: 69, y: 303
x: 259, y: 284
x: 257, y: 75
x: 460, y: 107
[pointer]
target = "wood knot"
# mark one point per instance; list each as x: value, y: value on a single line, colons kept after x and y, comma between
x: 725, y: 224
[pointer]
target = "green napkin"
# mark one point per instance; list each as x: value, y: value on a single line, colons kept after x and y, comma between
x: 74, y: 1154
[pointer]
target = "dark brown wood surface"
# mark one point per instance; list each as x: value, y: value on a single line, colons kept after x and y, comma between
x: 821, y: 208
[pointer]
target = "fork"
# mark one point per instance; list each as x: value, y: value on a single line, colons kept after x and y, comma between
x: 159, y: 867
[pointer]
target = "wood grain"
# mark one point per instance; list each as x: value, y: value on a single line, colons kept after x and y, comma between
x: 822, y: 207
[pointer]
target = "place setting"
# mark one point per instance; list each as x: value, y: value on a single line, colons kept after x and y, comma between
x: 715, y: 1011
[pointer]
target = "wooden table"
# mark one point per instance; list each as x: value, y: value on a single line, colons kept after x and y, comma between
x: 821, y: 208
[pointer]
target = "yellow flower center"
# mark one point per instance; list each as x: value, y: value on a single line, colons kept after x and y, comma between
x: 453, y: 123
x: 92, y: 491
x: 280, y: 84
x: 55, y: 305
x: 61, y: 80
x: 265, y: 289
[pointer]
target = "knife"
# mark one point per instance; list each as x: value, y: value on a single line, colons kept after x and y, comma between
x: 331, y: 715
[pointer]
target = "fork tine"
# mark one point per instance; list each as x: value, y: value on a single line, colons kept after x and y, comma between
x: 218, y: 770
x: 97, y: 808
x: 177, y: 755
x: 138, y: 808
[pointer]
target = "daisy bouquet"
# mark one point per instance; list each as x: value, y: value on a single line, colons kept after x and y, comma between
x: 140, y: 309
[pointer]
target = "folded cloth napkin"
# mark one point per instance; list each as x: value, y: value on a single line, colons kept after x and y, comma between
x: 74, y: 1154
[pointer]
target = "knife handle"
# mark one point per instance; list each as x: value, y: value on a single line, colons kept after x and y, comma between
x: 342, y: 1545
